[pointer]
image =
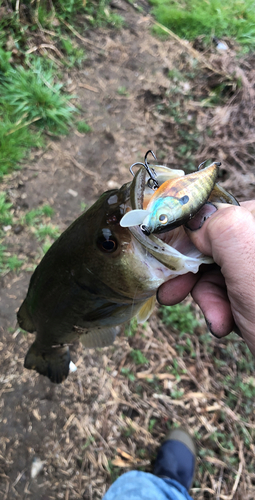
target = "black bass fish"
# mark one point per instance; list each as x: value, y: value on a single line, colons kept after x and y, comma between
x: 98, y: 274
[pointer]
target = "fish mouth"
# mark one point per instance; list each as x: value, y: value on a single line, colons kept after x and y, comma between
x: 172, y: 248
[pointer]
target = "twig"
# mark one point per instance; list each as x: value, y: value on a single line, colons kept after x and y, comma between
x: 85, y: 40
x: 17, y: 7
x: 42, y: 77
x: 238, y: 476
x: 88, y: 87
x: 79, y: 166
x: 24, y: 125
x: 45, y: 46
x: 74, y: 162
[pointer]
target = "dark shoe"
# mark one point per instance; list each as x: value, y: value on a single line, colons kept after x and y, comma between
x: 177, y: 458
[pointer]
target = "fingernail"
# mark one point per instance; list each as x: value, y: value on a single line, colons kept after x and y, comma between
x: 160, y: 303
x: 209, y: 326
x: 201, y: 216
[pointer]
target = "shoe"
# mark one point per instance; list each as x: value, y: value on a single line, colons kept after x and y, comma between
x: 176, y: 458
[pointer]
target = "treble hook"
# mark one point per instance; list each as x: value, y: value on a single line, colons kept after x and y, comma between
x: 152, y: 182
x: 218, y: 163
x: 201, y: 165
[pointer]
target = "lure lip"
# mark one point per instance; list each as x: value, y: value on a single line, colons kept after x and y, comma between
x: 145, y: 229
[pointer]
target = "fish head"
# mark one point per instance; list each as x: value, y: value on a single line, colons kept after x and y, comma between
x: 109, y: 254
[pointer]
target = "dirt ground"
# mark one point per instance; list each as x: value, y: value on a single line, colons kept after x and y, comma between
x: 96, y: 425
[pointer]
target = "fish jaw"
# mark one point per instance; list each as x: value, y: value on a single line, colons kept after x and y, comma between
x: 177, y: 254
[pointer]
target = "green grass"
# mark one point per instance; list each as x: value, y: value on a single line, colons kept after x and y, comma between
x: 131, y: 328
x: 32, y: 98
x: 83, y: 127
x: 47, y: 230
x: 35, y: 221
x: 180, y: 316
x: 34, y: 216
x: 98, y: 13
x: 189, y: 19
x: 128, y: 373
x: 5, y: 214
x: 8, y: 261
x: 31, y: 103
x: 122, y: 91
x: 138, y: 357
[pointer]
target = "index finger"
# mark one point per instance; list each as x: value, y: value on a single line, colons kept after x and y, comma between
x: 175, y: 290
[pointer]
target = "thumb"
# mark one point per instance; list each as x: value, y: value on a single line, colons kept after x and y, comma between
x: 226, y: 233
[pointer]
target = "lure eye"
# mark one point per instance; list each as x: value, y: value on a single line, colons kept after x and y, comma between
x: 163, y: 218
x: 106, y: 242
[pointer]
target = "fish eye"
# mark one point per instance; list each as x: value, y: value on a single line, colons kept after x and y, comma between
x: 106, y: 242
x: 163, y: 218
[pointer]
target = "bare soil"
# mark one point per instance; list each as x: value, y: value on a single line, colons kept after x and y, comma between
x: 98, y: 423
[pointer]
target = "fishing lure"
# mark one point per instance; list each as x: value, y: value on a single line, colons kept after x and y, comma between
x: 174, y: 202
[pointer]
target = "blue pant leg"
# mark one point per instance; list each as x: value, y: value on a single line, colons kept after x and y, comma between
x: 138, y: 485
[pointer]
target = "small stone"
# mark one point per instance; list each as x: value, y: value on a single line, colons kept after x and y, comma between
x: 17, y: 229
x: 37, y: 467
x: 113, y: 184
x: 222, y: 46
x: 72, y: 193
x: 72, y: 367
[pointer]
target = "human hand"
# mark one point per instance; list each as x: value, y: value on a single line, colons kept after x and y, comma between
x: 225, y: 292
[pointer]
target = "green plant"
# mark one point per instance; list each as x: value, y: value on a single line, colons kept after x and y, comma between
x: 5, y: 215
x: 75, y: 55
x: 177, y: 393
x: 99, y: 14
x: 4, y: 61
x: 128, y: 431
x: 175, y: 75
x: 129, y: 374
x: 35, y: 215
x: 131, y: 328
x: 185, y: 346
x: 113, y: 471
x: 138, y: 357
x: 176, y: 370
x: 8, y: 262
x: 180, y: 317
x: 14, y: 263
x: 33, y: 97
x: 122, y: 91
x: 152, y: 422
x: 15, y: 140
x: 89, y: 441
x: 83, y: 127
x: 83, y: 206
x: 47, y: 230
x: 190, y: 19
